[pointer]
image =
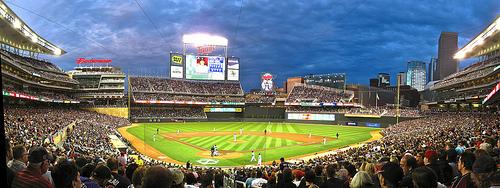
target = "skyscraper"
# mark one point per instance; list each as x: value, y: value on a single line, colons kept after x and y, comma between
x: 415, y: 75
x: 384, y: 80
x: 402, y: 78
x: 446, y: 64
x: 431, y: 69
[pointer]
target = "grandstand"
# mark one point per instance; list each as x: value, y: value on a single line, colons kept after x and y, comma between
x: 315, y: 136
x: 472, y: 84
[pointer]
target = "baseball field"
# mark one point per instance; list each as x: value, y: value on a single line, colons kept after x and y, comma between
x: 192, y: 141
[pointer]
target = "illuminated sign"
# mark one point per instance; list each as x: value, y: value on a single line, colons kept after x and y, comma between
x: 176, y: 72
x: 267, y: 82
x: 86, y: 61
x: 175, y: 59
x: 493, y: 91
x: 311, y: 116
x: 222, y: 109
x: 205, y: 49
x: 205, y: 67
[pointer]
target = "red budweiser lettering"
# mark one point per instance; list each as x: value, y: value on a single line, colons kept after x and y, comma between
x: 83, y: 60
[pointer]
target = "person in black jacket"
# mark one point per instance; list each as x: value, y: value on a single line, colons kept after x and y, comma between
x: 332, y: 181
x: 408, y: 163
x: 286, y: 181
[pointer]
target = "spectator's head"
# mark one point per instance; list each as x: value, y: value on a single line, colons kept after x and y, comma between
x: 482, y: 171
x: 129, y: 171
x: 287, y: 175
x: 424, y: 177
x: 486, y: 147
x: 318, y: 170
x: 310, y: 176
x: 390, y: 175
x: 8, y: 149
x: 407, y: 163
x: 86, y: 171
x: 102, y: 175
x: 298, y: 174
x: 112, y: 164
x: 65, y: 175
x: 80, y: 162
x: 39, y: 159
x: 430, y: 157
x: 19, y: 153
x: 137, y: 176
x: 451, y: 155
x: 331, y: 170
x: 157, y: 177
x: 207, y: 179
x: 178, y: 177
x: 361, y: 179
x: 465, y: 162
x: 189, y: 178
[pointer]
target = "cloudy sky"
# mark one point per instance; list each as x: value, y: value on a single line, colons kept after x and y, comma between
x: 283, y: 37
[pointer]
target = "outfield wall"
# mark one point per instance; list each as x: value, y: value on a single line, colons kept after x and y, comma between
x: 118, y: 112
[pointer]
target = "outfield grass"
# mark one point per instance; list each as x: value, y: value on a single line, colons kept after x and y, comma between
x: 271, y: 148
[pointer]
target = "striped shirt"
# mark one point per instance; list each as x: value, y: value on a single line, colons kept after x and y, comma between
x: 30, y: 177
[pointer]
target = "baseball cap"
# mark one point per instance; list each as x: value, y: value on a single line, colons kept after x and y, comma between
x: 38, y: 154
x: 430, y: 153
x: 102, y: 172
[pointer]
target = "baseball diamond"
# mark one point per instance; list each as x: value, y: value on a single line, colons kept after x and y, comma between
x: 194, y: 140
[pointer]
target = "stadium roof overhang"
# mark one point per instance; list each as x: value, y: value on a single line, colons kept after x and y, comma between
x: 487, y: 41
x: 14, y: 32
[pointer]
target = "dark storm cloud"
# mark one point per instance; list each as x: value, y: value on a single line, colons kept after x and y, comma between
x: 287, y: 38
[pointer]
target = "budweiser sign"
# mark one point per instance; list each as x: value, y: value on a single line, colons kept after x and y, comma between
x: 85, y: 61
x: 205, y: 49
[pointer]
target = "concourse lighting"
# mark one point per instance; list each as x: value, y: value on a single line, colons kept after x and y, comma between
x: 17, y: 23
x: 57, y: 52
x: 34, y: 38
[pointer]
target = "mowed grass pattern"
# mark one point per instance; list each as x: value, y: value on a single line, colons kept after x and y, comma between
x: 182, y: 152
x: 244, y: 142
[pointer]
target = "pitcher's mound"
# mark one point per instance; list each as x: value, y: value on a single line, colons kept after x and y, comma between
x: 222, y: 154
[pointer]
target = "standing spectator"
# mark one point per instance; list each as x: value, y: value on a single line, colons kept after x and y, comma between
x: 20, y: 158
x: 32, y: 176
x: 286, y: 180
x: 310, y: 177
x: 408, y: 163
x: 430, y: 161
x: 9, y: 173
x: 102, y: 175
x: 113, y: 165
x: 178, y: 179
x: 157, y: 177
x: 137, y: 176
x: 465, y: 163
x: 86, y: 174
x: 65, y: 175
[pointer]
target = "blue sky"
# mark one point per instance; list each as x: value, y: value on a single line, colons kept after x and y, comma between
x: 286, y: 38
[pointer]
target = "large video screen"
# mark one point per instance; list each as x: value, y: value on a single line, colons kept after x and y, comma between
x: 222, y: 109
x: 205, y: 67
x: 310, y: 116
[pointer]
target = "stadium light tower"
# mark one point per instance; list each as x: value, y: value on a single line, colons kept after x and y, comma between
x: 203, y: 40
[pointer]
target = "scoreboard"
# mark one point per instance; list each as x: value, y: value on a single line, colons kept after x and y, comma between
x: 204, y: 67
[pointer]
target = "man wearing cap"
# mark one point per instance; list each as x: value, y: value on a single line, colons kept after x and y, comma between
x: 32, y: 176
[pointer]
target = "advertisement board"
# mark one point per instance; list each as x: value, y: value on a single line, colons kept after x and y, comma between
x: 176, y: 59
x: 233, y: 63
x: 377, y: 125
x: 311, y: 116
x: 176, y: 72
x: 233, y: 75
x: 222, y: 110
x: 205, y: 67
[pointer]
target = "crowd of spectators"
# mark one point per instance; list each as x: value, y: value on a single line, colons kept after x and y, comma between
x: 40, y: 94
x: 317, y: 94
x: 186, y: 98
x: 258, y: 98
x: 474, y: 71
x: 36, y: 67
x: 174, y: 113
x: 152, y: 84
x: 438, y: 150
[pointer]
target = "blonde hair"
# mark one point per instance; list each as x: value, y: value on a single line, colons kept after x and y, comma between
x: 361, y: 179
